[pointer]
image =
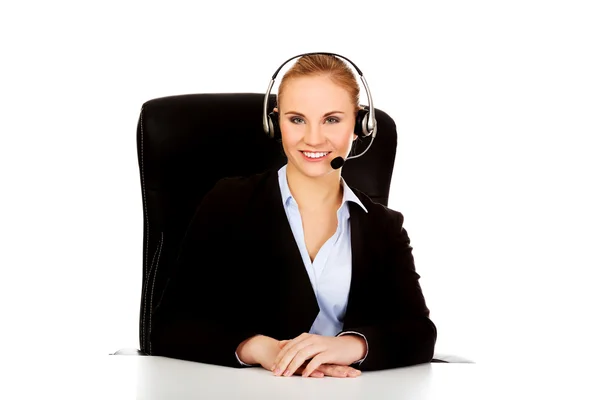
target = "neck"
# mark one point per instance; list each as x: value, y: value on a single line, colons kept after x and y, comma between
x: 313, y: 194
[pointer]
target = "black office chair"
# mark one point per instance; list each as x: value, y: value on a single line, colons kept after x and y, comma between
x: 187, y: 143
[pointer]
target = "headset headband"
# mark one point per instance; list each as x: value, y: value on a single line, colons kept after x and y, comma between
x: 371, y: 122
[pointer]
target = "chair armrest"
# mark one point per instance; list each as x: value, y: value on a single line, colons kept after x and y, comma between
x: 450, y: 358
x: 128, y: 352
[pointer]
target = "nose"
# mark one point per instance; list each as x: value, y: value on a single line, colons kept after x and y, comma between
x: 313, y: 135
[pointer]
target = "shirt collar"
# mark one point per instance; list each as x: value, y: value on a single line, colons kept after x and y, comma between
x: 286, y: 195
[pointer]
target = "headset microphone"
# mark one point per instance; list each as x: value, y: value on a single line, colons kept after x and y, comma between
x: 365, y: 125
x: 337, y: 163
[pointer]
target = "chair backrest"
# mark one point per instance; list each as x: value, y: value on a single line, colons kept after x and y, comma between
x: 186, y: 143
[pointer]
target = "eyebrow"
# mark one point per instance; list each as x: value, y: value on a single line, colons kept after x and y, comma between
x: 325, y: 115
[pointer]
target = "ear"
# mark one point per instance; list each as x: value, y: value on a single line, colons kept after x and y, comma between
x: 355, y: 137
x: 275, y: 109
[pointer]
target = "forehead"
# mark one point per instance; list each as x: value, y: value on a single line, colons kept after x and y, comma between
x: 314, y: 91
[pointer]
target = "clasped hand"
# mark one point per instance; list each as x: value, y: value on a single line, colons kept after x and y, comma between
x: 315, y: 353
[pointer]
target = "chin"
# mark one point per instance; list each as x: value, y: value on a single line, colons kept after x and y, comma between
x: 315, y: 170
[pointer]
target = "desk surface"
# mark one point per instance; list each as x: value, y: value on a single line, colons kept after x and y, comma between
x: 165, y: 378
x: 146, y: 377
x: 80, y: 375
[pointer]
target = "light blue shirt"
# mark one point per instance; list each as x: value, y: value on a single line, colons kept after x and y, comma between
x: 330, y: 272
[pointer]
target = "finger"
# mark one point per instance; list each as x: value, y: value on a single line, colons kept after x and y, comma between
x: 280, y: 344
x: 300, y: 358
x: 286, y: 347
x: 298, y: 355
x: 314, y: 364
x: 339, y: 371
x: 329, y: 370
x: 346, y: 371
x: 286, y: 355
x: 315, y: 374
x: 291, y: 342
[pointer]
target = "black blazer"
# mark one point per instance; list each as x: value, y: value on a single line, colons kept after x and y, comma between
x: 240, y: 273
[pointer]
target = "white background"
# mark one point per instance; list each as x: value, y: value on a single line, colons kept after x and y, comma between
x: 497, y: 109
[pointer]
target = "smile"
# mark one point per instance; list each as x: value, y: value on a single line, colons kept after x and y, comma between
x: 315, y: 155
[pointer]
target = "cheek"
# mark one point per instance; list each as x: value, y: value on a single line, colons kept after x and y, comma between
x: 291, y: 133
x: 289, y: 137
x: 345, y: 137
x: 288, y: 129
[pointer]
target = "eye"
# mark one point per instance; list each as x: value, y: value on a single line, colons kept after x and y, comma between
x: 296, y: 120
x: 332, y: 120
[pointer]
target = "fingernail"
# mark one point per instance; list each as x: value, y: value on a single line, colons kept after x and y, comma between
x: 287, y: 372
x: 277, y: 371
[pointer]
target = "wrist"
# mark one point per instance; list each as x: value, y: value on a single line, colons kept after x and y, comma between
x: 357, y: 346
x: 245, y: 352
x: 249, y: 351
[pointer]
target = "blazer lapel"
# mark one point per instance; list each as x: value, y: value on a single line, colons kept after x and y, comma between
x: 359, y: 233
x: 294, y: 297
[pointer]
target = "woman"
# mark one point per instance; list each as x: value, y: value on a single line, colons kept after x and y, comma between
x: 292, y: 269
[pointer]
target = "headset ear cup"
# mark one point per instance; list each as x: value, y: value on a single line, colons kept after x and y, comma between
x: 274, y: 131
x: 360, y: 126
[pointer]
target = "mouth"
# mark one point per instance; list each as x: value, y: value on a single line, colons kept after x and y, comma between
x: 315, y: 155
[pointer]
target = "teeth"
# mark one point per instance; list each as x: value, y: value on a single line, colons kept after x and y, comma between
x: 314, y: 155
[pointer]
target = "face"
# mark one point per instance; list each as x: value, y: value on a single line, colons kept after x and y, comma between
x: 317, y: 119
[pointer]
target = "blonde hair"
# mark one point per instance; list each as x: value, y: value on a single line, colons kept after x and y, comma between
x: 323, y: 64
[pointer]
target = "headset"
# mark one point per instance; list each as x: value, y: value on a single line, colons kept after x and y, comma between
x: 365, y: 125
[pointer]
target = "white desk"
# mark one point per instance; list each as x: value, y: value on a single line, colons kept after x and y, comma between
x: 165, y: 378
x: 145, y: 377
x: 81, y: 375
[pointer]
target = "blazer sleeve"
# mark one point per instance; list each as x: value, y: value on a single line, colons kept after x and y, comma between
x: 199, y: 317
x: 403, y: 335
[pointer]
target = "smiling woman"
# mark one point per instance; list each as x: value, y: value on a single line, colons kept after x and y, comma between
x: 337, y: 291
x: 311, y: 138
